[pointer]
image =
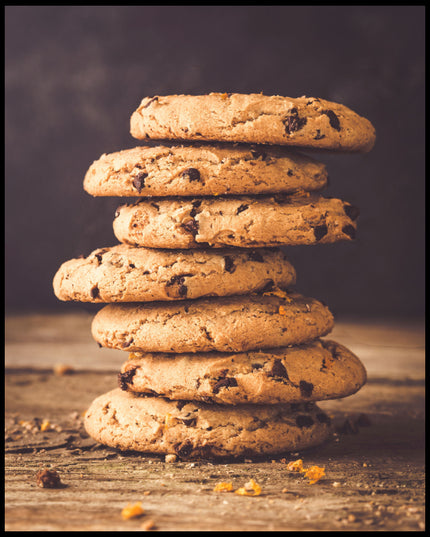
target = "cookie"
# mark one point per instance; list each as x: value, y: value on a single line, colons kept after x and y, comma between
x: 253, y: 118
x: 203, y: 171
x: 226, y: 324
x: 126, y: 274
x: 314, y: 372
x: 194, y: 430
x: 235, y: 221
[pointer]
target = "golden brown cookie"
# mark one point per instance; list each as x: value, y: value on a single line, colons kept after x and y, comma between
x: 194, y: 430
x: 253, y: 118
x: 203, y: 170
x: 235, y: 221
x: 225, y: 324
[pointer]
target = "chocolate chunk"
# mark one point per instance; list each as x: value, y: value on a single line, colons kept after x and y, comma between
x: 229, y: 265
x: 333, y: 119
x: 192, y: 174
x: 318, y: 135
x: 189, y: 422
x: 304, y: 421
x: 124, y: 379
x: 306, y: 388
x: 95, y: 293
x: 351, y: 211
x: 139, y: 180
x: 278, y: 370
x: 290, y: 172
x: 293, y: 122
x: 243, y: 207
x: 196, y: 204
x: 48, y: 479
x: 253, y: 255
x: 191, y: 226
x: 349, y: 230
x: 320, y: 231
x: 323, y: 418
x: 178, y: 280
x: 226, y: 382
x: 184, y: 449
x: 154, y: 99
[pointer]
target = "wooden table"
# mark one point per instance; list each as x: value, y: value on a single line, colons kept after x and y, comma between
x: 374, y: 463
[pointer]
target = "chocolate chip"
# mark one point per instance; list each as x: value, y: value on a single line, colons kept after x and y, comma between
x: 293, y: 122
x: 253, y: 255
x: 189, y: 422
x: 95, y: 292
x: 349, y: 230
x: 154, y: 99
x: 257, y: 366
x: 318, y: 135
x: 242, y: 208
x: 229, y: 265
x: 323, y: 418
x: 258, y: 152
x: 333, y: 119
x: 191, y: 226
x: 196, y: 204
x: 131, y: 265
x: 124, y: 379
x: 278, y: 370
x: 304, y: 421
x: 290, y: 172
x: 139, y: 180
x: 184, y: 449
x: 192, y: 174
x: 178, y: 280
x: 226, y: 382
x: 126, y: 343
x: 306, y: 388
x: 351, y: 211
x: 320, y: 231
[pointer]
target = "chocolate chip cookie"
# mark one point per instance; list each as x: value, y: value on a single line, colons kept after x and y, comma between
x: 203, y: 170
x: 226, y: 324
x: 193, y: 430
x: 316, y: 371
x: 253, y: 118
x: 126, y: 274
x: 235, y: 221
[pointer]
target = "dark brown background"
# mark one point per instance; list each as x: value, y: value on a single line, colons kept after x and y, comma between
x: 74, y: 74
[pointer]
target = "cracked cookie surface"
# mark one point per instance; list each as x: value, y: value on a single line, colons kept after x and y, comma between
x: 203, y: 170
x: 253, y: 118
x: 235, y: 221
x: 123, y: 273
x: 313, y: 372
x: 197, y: 430
x: 215, y: 324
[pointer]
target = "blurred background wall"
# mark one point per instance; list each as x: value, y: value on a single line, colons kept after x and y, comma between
x: 74, y: 75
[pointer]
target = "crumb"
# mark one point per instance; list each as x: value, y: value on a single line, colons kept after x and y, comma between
x: 336, y: 484
x: 132, y: 511
x: 170, y: 457
x: 223, y: 487
x: 63, y: 369
x: 314, y: 473
x: 148, y: 525
x: 48, y: 479
x: 45, y: 425
x: 295, y: 466
x: 251, y: 488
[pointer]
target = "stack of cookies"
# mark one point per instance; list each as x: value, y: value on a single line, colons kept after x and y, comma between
x: 224, y: 359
